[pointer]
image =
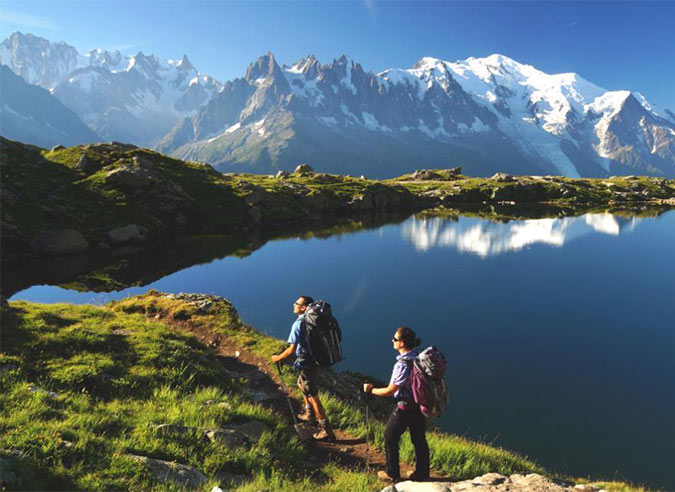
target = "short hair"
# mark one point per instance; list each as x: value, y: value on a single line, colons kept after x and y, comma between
x: 408, y: 337
x: 307, y: 300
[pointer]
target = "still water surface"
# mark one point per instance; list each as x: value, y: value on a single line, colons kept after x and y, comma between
x: 559, y: 333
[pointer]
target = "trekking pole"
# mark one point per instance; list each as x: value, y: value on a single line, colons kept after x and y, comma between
x: 288, y: 398
x: 367, y: 434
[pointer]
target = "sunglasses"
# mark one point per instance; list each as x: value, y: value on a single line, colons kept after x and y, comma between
x: 395, y: 339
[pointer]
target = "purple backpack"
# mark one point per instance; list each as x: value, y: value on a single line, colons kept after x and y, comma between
x: 428, y: 384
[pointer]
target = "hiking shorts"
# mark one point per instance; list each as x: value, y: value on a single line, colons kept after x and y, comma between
x: 308, y: 380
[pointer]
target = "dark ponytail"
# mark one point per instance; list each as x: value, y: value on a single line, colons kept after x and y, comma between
x: 408, y: 337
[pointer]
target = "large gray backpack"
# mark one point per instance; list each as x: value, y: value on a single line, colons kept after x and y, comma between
x: 323, y: 334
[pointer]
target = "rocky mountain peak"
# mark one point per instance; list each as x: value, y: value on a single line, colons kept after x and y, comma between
x: 262, y: 68
x: 309, y: 66
x: 185, y: 65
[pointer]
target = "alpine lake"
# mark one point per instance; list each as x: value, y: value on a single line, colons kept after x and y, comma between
x: 558, y: 332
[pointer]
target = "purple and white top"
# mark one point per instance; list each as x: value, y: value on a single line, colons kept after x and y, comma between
x: 401, y: 377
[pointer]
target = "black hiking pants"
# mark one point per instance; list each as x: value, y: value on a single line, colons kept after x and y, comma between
x: 399, y: 421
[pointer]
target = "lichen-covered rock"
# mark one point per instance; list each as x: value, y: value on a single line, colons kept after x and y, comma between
x: 172, y: 473
x: 59, y: 242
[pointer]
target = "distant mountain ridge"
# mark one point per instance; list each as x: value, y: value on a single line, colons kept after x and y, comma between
x: 34, y: 116
x: 135, y: 99
x: 489, y: 115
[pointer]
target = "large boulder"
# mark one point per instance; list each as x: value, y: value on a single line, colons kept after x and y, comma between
x: 127, y: 234
x: 176, y: 474
x: 304, y: 169
x: 59, y: 242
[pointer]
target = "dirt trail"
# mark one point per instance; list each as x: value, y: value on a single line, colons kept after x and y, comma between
x: 262, y: 382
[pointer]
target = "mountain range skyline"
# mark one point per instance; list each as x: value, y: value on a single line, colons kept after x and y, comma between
x: 618, y: 45
x: 488, y: 114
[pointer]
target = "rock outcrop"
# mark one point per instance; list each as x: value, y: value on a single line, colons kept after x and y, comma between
x: 492, y: 482
x: 172, y: 473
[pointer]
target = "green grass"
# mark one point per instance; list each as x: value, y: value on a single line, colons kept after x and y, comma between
x: 83, y: 387
x: 115, y: 377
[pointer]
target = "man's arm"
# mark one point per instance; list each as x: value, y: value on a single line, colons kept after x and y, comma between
x: 285, y: 354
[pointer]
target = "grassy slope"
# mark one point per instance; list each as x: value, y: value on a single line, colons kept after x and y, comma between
x: 117, y: 375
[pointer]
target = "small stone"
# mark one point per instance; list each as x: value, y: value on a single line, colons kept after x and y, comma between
x: 34, y: 389
x: 229, y: 437
x: 174, y: 429
x: 237, y: 353
x: 363, y: 177
x: 281, y: 174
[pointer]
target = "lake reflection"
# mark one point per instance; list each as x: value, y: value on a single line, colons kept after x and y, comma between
x: 485, y: 238
x: 559, y: 332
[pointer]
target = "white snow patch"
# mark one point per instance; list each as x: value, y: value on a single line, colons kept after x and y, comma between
x: 370, y: 122
x: 479, y: 127
x: 231, y: 129
x: 349, y: 114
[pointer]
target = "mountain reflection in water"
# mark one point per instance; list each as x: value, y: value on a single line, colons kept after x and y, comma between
x: 485, y: 238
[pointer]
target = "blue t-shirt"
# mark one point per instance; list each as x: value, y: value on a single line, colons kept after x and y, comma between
x: 400, y: 376
x: 298, y: 336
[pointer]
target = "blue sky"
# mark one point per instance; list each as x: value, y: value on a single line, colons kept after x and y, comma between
x: 617, y: 45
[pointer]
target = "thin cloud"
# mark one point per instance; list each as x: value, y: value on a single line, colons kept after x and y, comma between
x: 573, y: 23
x: 370, y: 5
x: 26, y: 20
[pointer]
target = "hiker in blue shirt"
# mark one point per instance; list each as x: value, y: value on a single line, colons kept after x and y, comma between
x: 406, y: 414
x: 308, y: 372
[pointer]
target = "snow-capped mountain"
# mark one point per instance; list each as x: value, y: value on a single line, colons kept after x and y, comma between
x: 135, y: 99
x: 32, y: 115
x: 487, y: 114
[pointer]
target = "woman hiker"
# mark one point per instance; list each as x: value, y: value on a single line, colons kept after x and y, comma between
x: 406, y: 414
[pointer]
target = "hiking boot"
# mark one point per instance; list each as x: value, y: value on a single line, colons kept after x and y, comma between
x: 384, y: 477
x: 325, y: 434
x: 307, y: 416
x: 418, y: 477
